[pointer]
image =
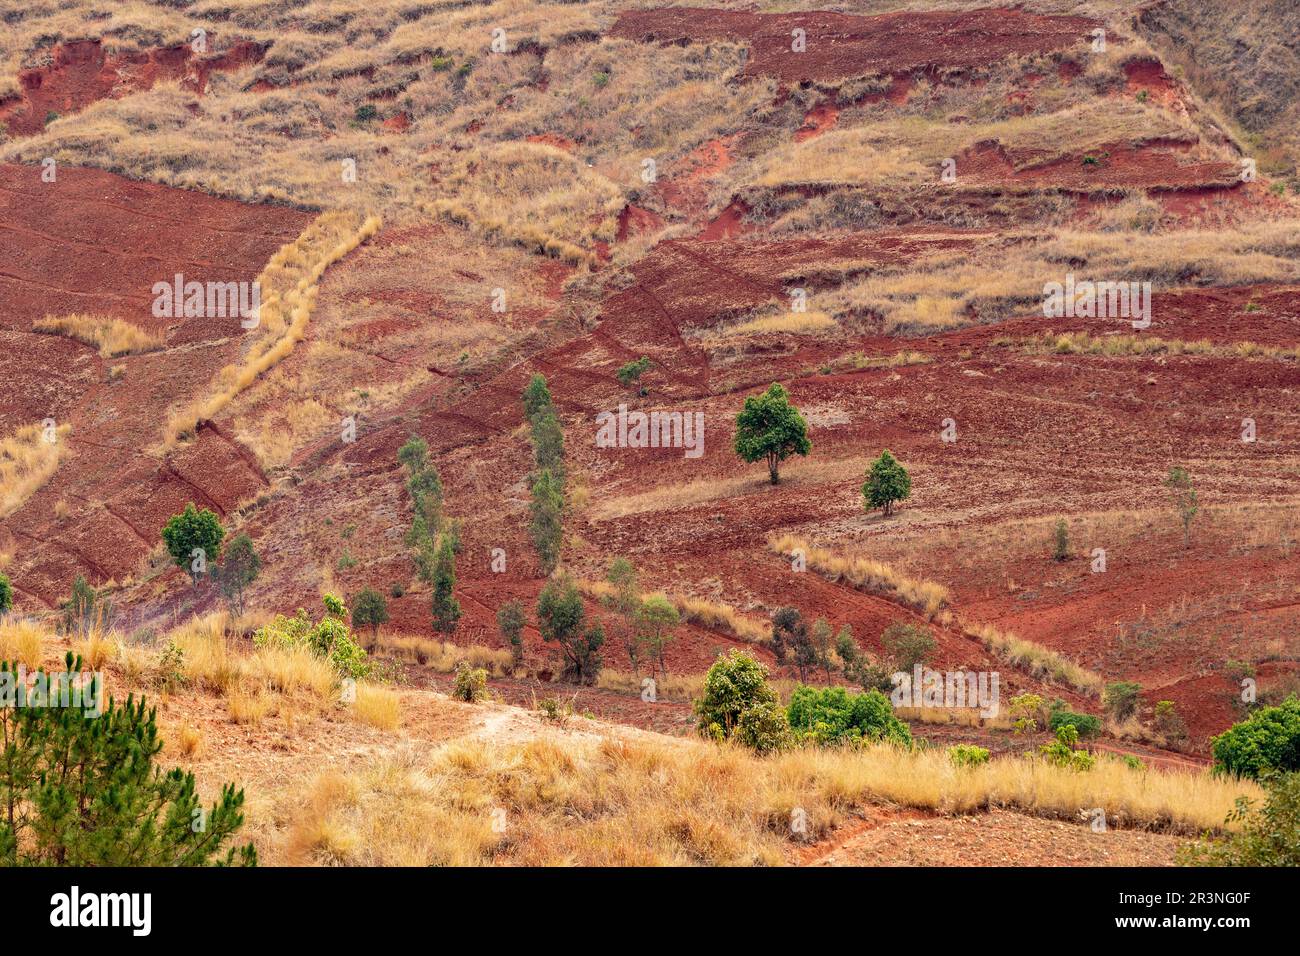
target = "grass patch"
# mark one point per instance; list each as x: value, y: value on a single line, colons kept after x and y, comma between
x: 112, y: 337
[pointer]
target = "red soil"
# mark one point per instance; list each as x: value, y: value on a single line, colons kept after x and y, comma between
x: 1157, y: 165
x: 82, y: 72
x: 820, y: 118
x: 556, y: 140
x: 842, y: 46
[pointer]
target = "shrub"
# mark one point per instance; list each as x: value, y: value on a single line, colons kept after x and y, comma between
x: 91, y: 794
x: 510, y: 621
x: 329, y: 637
x: 1061, y: 541
x: 370, y: 610
x: 470, y: 684
x: 1268, y: 740
x: 1085, y: 725
x: 84, y: 609
x: 1121, y: 699
x: 1183, y: 497
x: 1268, y: 836
x: 832, y: 715
x: 656, y: 619
x: 239, y: 568
x: 1062, y: 752
x: 537, y: 397
x: 630, y: 374
x: 733, y: 686
x: 907, y: 645
x: 1025, y: 712
x: 1169, y: 723
x: 546, y: 516
x: 764, y: 728
x: 446, y: 609
x: 193, y: 539
x: 967, y: 755
x: 365, y: 113
x: 561, y: 619
x: 770, y: 428
x: 6, y: 594
x: 887, y: 483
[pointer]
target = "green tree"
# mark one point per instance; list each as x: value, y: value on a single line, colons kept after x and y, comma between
x: 370, y: 609
x: 788, y: 632
x: 655, y: 620
x: 562, y: 620
x: 624, y: 599
x: 193, y: 539
x: 414, y: 455
x: 1183, y: 497
x: 822, y: 639
x: 446, y: 609
x: 1121, y: 698
x: 832, y: 715
x: 1266, y: 741
x: 907, y: 645
x: 887, y: 483
x: 630, y: 374
x: 510, y: 621
x: 770, y: 428
x: 6, y: 594
x: 537, y: 397
x: 1267, y: 836
x: 83, y: 609
x: 240, y: 566
x: 1061, y: 541
x: 736, y: 685
x: 548, y: 443
x: 77, y: 791
x: 330, y: 637
x: 546, y: 511
x: 846, y: 648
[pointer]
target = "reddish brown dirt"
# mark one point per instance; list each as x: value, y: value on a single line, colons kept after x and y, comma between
x: 1153, y: 165
x: 841, y: 46
x: 820, y: 118
x: 635, y: 221
x: 81, y: 72
x: 556, y: 140
x: 94, y: 242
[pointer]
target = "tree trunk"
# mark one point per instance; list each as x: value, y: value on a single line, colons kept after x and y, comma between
x: 773, y: 463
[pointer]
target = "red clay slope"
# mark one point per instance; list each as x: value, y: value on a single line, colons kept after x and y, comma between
x: 840, y: 46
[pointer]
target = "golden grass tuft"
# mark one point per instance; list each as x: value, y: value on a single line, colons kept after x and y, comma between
x: 443, y: 656
x: 112, y: 337
x: 713, y: 615
x: 802, y: 323
x: 1120, y: 344
x: 28, y: 461
x: 21, y: 641
x: 1038, y: 660
x: 928, y: 597
x: 377, y: 706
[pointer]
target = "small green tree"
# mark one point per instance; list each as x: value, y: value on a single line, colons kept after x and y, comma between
x: 735, y: 685
x: 80, y: 791
x: 1169, y: 723
x: 330, y: 637
x: 887, y: 483
x: 789, y: 632
x: 831, y: 715
x: 537, y: 397
x: 907, y: 645
x: 1121, y: 698
x: 6, y: 594
x: 370, y: 609
x: 1265, y: 742
x: 562, y: 620
x: 240, y: 566
x: 630, y: 374
x: 770, y: 428
x: 822, y: 640
x: 1061, y: 541
x: 624, y: 599
x: 846, y: 648
x: 446, y: 609
x: 470, y: 684
x: 655, y: 620
x: 546, y: 511
x: 414, y: 455
x: 193, y: 539
x: 548, y: 443
x: 510, y: 621
x: 1183, y: 497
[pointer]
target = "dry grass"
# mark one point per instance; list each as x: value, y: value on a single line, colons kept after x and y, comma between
x: 1084, y: 343
x: 928, y: 597
x: 21, y: 641
x: 377, y: 706
x: 623, y: 803
x: 713, y: 615
x: 112, y: 337
x: 249, y: 708
x: 289, y: 288
x: 1038, y: 660
x: 28, y: 461
x: 444, y: 656
x: 679, y: 687
x: 799, y: 323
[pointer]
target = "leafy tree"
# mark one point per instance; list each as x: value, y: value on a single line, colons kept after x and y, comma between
x: 1268, y: 836
x: 764, y: 728
x: 1183, y: 497
x: 470, y: 684
x: 907, y: 645
x: 788, y: 632
x: 190, y: 531
x: 537, y: 397
x: 630, y: 374
x: 77, y: 791
x: 655, y: 620
x: 821, y: 639
x: 1085, y: 725
x: 446, y: 609
x: 846, y: 648
x: 510, y: 621
x: 547, y: 514
x: 625, y: 600
x: 6, y: 594
x: 887, y: 483
x: 548, y: 443
x: 1266, y: 741
x: 734, y: 687
x: 414, y: 455
x: 1169, y: 723
x: 370, y: 610
x: 1062, y: 753
x: 770, y: 428
x: 831, y: 715
x: 562, y: 620
x: 1061, y: 541
x: 1121, y: 699
x: 330, y: 637
x: 240, y: 566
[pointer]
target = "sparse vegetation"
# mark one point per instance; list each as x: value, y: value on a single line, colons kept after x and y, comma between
x: 770, y: 429
x: 193, y: 539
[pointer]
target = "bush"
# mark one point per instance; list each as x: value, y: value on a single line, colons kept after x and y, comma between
x: 1169, y: 723
x: 84, y: 608
x: 1268, y: 740
x: 1061, y: 541
x: 194, y: 530
x: 1268, y: 836
x: 510, y: 621
x: 1121, y: 699
x: 887, y: 483
x: 546, y: 512
x: 733, y: 686
x: 1062, y: 752
x: 6, y: 594
x: 907, y: 645
x: 240, y: 566
x: 630, y: 374
x: 832, y: 715
x: 329, y: 637
x: 1085, y: 725
x: 764, y: 728
x: 470, y: 684
x: 445, y: 607
x: 967, y: 755
x: 1025, y: 712
x: 561, y: 619
x: 370, y: 610
x: 91, y: 795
